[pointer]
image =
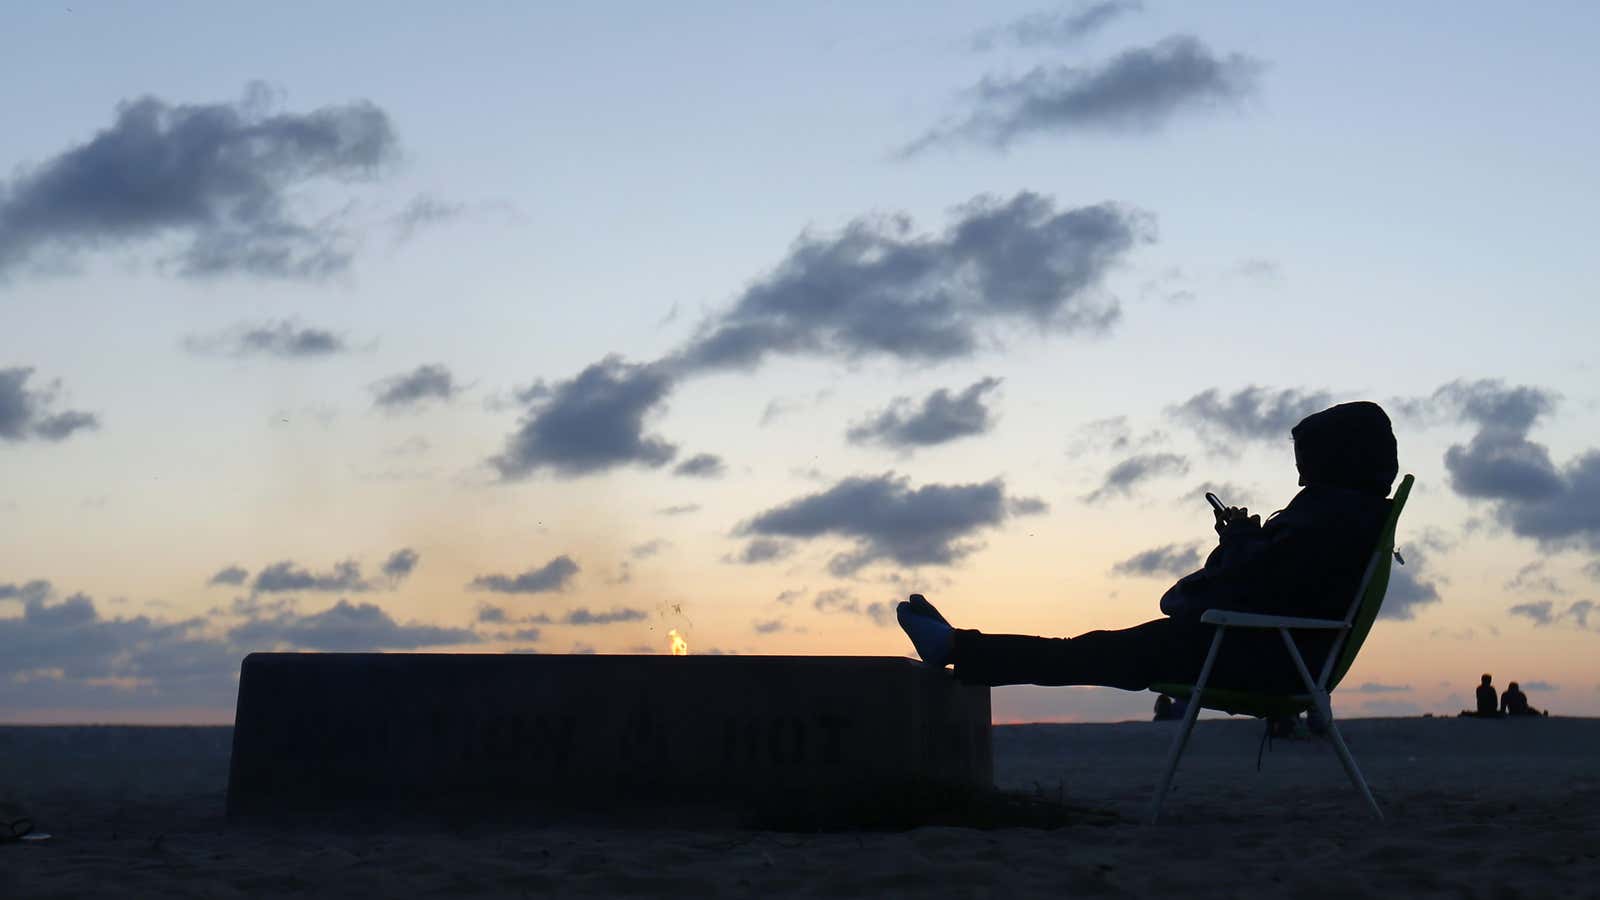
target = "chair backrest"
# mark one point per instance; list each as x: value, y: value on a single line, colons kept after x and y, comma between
x: 1369, y: 595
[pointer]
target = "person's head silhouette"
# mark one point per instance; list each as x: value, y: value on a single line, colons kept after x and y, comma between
x: 1513, y: 687
x: 1486, y: 679
x: 1349, y: 446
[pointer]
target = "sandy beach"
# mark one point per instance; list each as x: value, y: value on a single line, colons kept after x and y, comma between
x: 1475, y: 809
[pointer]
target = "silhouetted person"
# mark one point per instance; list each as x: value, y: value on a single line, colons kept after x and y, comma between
x: 1488, y: 698
x: 1306, y: 560
x: 1165, y: 711
x: 1515, y: 703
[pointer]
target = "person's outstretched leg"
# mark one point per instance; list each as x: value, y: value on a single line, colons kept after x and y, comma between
x: 1163, y: 650
x: 1129, y: 658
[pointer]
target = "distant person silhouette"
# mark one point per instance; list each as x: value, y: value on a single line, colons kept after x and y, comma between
x: 1306, y: 560
x: 1488, y: 697
x: 1515, y: 703
x: 1166, y: 711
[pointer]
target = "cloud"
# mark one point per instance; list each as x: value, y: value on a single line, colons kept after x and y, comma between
x: 399, y: 564
x: 221, y: 179
x: 1121, y: 479
x: 701, y: 465
x: 1534, y: 579
x: 938, y: 419
x: 681, y: 509
x: 1026, y: 506
x: 1252, y: 413
x: 1138, y: 91
x: 56, y: 654
x: 1579, y: 612
x: 1486, y: 402
x: 412, y: 389
x: 66, y: 654
x: 580, y: 617
x: 1539, y: 686
x: 1390, y: 708
x: 552, y: 576
x: 1112, y: 433
x: 588, y: 617
x: 648, y: 548
x: 30, y: 591
x: 286, y: 577
x: 280, y: 340
x: 423, y: 212
x: 231, y: 575
x: 1556, y: 506
x: 26, y: 414
x: 1373, y: 687
x: 877, y: 288
x: 761, y: 550
x: 1168, y: 559
x: 1541, y: 613
x: 1498, y: 462
x: 770, y: 626
x: 344, y: 626
x: 1502, y: 466
x: 1056, y: 28
x: 590, y: 423
x: 1257, y: 268
x: 1544, y: 612
x: 889, y: 520
x: 841, y: 600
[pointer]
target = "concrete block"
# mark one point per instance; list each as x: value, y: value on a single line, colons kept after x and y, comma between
x: 534, y: 735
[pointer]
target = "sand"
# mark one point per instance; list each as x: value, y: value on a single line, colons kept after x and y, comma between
x: 1475, y: 809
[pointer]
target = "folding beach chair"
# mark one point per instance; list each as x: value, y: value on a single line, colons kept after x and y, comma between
x: 1354, y: 627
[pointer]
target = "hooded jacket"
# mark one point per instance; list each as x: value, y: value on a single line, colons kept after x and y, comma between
x: 1308, y: 558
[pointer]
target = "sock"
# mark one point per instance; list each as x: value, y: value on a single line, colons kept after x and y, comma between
x: 930, y: 634
x: 920, y: 604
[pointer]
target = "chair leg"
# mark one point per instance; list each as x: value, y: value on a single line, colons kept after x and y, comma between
x: 1181, y: 740
x: 1351, y: 769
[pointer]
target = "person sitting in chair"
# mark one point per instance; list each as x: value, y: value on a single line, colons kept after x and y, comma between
x: 1515, y: 703
x: 1305, y: 560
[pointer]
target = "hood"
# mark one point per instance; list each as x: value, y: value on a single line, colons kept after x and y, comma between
x: 1349, y: 446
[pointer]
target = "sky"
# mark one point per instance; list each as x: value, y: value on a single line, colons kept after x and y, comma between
x: 553, y: 328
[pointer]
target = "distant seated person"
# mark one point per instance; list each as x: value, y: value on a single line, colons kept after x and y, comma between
x: 1488, y: 698
x: 1305, y: 560
x: 1166, y: 710
x: 1515, y: 703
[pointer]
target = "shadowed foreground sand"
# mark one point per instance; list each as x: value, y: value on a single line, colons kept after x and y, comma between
x: 1476, y: 809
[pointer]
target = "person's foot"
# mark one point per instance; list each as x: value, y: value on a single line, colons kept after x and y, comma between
x: 929, y: 632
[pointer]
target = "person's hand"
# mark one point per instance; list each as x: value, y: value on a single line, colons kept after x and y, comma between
x: 1235, y: 519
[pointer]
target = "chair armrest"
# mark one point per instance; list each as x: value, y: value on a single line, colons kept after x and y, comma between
x: 1256, y: 620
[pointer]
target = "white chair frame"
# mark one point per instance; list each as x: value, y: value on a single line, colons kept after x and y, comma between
x: 1316, y: 690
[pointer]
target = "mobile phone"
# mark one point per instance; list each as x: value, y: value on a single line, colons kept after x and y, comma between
x: 1215, y: 503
